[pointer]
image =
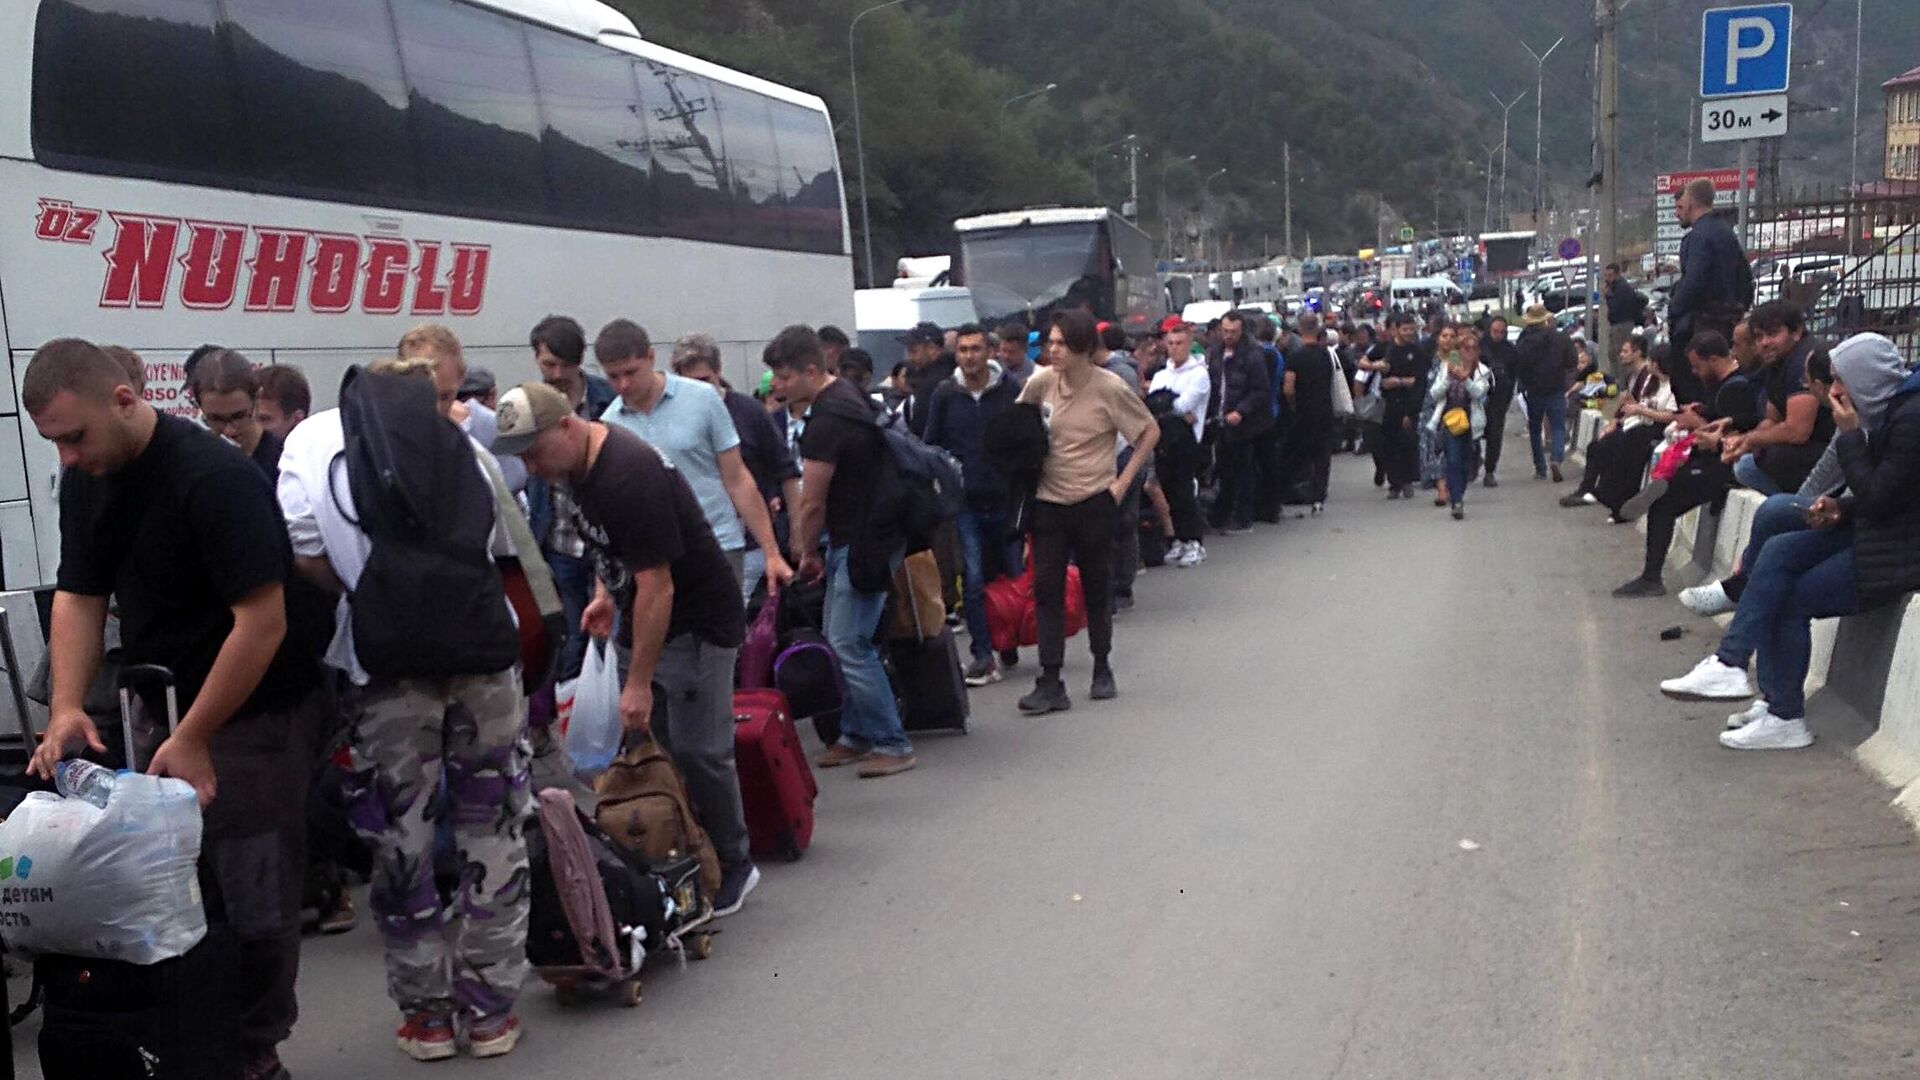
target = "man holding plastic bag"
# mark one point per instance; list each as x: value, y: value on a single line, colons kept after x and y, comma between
x: 183, y: 531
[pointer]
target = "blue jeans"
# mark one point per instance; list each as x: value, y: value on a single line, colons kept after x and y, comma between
x: 869, y: 717
x: 986, y: 552
x: 1459, y: 451
x: 1779, y: 515
x: 573, y: 580
x: 1546, y: 414
x: 1747, y: 470
x: 1798, y: 577
x: 753, y: 567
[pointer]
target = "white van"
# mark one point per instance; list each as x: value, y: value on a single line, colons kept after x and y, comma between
x: 1414, y: 294
x: 881, y: 316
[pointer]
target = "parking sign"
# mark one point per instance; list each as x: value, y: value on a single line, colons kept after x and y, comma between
x: 1745, y: 50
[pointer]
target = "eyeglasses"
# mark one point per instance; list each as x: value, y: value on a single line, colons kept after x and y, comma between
x: 226, y: 419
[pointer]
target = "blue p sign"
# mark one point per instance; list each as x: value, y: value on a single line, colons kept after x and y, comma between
x: 1745, y: 50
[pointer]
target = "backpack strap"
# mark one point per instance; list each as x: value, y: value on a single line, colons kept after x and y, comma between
x: 532, y: 563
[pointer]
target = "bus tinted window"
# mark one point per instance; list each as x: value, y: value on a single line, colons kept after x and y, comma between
x: 598, y: 166
x: 475, y: 122
x: 687, y: 153
x: 140, y: 84
x: 322, y: 96
x: 752, y: 161
x: 809, y: 179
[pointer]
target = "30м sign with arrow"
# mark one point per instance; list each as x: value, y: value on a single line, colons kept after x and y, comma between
x: 1758, y: 117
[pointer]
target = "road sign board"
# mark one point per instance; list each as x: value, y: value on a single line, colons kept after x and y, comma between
x: 1406, y: 234
x: 1570, y: 248
x: 1745, y: 50
x: 1760, y: 116
x: 1666, y: 188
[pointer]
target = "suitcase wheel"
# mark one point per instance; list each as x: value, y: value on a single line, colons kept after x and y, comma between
x: 629, y: 993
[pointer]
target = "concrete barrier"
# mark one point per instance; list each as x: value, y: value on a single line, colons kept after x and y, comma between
x: 1865, y: 666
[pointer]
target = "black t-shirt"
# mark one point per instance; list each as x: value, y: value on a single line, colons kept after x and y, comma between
x: 1403, y: 361
x: 267, y: 454
x: 1735, y: 399
x: 186, y: 530
x: 1312, y: 369
x: 1788, y: 378
x: 852, y: 446
x: 635, y: 512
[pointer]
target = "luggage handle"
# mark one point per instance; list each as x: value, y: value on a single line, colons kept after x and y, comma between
x: 130, y: 677
x: 16, y: 679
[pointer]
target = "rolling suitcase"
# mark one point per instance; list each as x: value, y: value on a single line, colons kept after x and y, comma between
x: 776, y: 783
x: 178, y: 1019
x: 929, y: 684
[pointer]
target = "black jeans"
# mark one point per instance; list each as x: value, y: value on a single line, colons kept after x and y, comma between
x: 1616, y: 464
x: 1312, y: 455
x: 1126, y: 540
x: 1183, y: 501
x: 1270, y: 461
x: 1693, y: 486
x: 1238, y: 482
x: 1499, y: 404
x: 1402, y: 441
x: 1084, y: 533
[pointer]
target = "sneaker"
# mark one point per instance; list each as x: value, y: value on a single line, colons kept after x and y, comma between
x: 879, y: 765
x: 266, y: 1066
x: 1459, y: 511
x: 837, y: 755
x: 1049, y: 695
x: 1747, y: 716
x: 1122, y: 602
x: 1578, y: 498
x: 1640, y: 587
x: 1557, y: 477
x: 427, y: 1036
x: 1318, y: 509
x: 1636, y: 508
x: 955, y: 623
x: 1539, y: 474
x: 735, y: 883
x: 1710, y: 680
x: 342, y: 918
x: 1707, y: 600
x: 1193, y: 555
x: 1236, y: 530
x: 1009, y: 658
x: 1393, y: 493
x: 1103, y: 688
x: 493, y: 1036
x: 1379, y: 478
x: 1616, y: 519
x: 984, y: 672
x: 1769, y: 733
x: 1490, y: 481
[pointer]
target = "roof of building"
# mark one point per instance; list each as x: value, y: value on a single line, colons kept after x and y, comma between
x: 1908, y: 78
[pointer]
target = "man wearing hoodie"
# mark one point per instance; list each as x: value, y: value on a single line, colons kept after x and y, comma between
x: 957, y: 415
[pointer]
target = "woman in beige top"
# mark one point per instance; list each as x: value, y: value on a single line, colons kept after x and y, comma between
x: 1087, y: 410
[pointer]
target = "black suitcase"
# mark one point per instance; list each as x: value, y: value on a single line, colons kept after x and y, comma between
x: 930, y: 686
x: 178, y: 1019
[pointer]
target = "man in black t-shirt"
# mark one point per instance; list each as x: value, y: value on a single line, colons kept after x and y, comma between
x: 657, y: 563
x: 1778, y: 455
x: 183, y: 531
x: 839, y: 462
x: 1731, y: 408
x: 1403, y: 367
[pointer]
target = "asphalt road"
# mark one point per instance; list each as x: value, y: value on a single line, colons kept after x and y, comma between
x: 1255, y: 863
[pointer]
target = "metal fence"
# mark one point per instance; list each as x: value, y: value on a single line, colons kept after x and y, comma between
x: 1851, y: 258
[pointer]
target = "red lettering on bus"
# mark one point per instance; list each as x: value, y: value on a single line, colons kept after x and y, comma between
x: 469, y: 290
x: 212, y: 264
x: 273, y: 282
x: 386, y: 289
x: 55, y: 216
x: 139, y: 261
x: 336, y: 265
x: 429, y: 296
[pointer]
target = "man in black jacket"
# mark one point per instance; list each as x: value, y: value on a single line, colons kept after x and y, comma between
x: 928, y: 365
x: 1245, y: 413
x: 957, y: 420
x: 1501, y: 358
x: 1544, y: 363
x: 1715, y: 283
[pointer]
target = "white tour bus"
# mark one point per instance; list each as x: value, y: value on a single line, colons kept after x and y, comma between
x: 305, y: 180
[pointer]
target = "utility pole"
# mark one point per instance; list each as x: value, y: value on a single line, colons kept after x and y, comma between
x: 1609, y: 165
x: 1539, y: 94
x: 1133, y: 178
x: 1506, y: 112
x: 1486, y: 225
x: 1853, y: 147
x: 1286, y: 167
x: 859, y: 144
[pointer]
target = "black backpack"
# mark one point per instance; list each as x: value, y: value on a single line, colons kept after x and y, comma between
x: 430, y: 603
x: 932, y: 487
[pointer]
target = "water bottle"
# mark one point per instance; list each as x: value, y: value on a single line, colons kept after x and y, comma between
x: 85, y: 780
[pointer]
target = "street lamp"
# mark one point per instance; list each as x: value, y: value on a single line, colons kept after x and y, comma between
x: 1206, y: 195
x: 1506, y: 110
x: 1007, y: 104
x: 859, y: 145
x: 1487, y: 224
x: 1539, y: 92
x: 1166, y: 232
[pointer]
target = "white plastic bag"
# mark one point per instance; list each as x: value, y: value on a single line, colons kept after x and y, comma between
x: 593, y: 724
x: 118, y: 882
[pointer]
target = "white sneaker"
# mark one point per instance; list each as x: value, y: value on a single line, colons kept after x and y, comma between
x: 1590, y: 498
x: 1753, y: 712
x: 1707, y: 600
x: 1192, y: 554
x: 1710, y: 680
x: 1769, y: 733
x: 1199, y: 552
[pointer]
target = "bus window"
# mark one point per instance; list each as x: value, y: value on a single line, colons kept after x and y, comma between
x: 598, y: 167
x: 297, y: 62
x: 809, y: 179
x: 98, y: 98
x: 687, y: 162
x: 753, y: 163
x: 476, y: 125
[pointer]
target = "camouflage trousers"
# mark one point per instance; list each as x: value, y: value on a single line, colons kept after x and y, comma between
x: 437, y: 760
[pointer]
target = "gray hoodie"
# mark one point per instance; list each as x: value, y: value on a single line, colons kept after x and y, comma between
x: 1872, y: 370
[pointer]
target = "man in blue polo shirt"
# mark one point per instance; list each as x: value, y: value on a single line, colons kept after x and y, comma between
x: 687, y: 422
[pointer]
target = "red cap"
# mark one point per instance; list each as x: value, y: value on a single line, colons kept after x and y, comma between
x: 1172, y: 322
x: 1102, y: 327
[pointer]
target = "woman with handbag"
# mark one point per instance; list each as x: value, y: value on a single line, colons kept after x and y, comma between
x: 1457, y: 398
x: 1432, y: 448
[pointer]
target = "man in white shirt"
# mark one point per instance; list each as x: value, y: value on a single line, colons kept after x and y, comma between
x: 1186, y: 377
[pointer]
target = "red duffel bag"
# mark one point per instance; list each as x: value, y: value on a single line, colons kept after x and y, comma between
x: 1013, y: 615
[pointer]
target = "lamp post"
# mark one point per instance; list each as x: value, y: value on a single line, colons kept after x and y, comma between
x: 1009, y: 103
x: 1486, y: 225
x: 1166, y: 231
x: 1539, y: 91
x: 1506, y: 111
x: 859, y: 144
x: 1206, y: 196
